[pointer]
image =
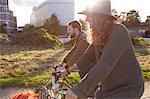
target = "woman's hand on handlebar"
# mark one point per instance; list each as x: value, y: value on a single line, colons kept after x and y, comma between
x: 64, y: 72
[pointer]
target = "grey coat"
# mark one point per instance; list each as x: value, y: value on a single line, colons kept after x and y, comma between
x: 117, y: 70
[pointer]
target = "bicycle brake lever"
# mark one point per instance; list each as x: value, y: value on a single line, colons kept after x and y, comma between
x: 55, y: 68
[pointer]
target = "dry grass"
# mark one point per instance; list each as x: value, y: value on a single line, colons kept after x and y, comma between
x: 18, y: 61
x: 3, y: 38
x: 30, y: 66
x: 143, y: 55
x: 36, y: 37
x: 27, y: 66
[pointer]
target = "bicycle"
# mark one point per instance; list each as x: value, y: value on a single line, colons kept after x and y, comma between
x: 55, y: 88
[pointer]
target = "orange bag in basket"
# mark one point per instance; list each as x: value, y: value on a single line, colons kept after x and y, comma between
x: 25, y: 95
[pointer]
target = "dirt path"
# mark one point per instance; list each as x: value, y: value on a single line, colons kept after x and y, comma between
x: 146, y: 94
x: 6, y: 93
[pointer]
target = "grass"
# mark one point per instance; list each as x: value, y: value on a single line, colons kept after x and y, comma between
x: 146, y: 73
x: 73, y: 78
x: 28, y: 81
x: 3, y: 38
x: 34, y: 81
x: 31, y: 66
x: 143, y: 55
x: 19, y: 61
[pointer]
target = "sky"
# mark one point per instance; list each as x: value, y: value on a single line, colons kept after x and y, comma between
x: 23, y: 8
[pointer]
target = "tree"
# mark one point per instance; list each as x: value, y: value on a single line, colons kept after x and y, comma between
x: 29, y: 27
x: 121, y: 16
x: 52, y: 25
x: 132, y: 19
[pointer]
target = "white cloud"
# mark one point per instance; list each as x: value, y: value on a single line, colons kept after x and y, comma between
x: 26, y: 2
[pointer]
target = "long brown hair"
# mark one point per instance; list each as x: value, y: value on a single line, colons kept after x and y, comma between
x: 101, y: 29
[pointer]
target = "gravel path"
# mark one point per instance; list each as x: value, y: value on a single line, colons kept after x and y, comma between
x: 146, y: 94
x: 8, y: 92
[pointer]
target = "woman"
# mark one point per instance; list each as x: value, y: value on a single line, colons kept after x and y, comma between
x: 110, y: 60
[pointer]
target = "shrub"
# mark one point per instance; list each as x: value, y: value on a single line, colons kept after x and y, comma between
x: 146, y: 76
x: 138, y: 41
x: 3, y: 38
x: 146, y: 73
x: 36, y: 37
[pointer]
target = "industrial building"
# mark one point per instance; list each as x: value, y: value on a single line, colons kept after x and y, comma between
x: 63, y: 9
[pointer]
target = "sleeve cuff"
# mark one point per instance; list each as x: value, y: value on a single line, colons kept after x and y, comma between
x: 77, y: 91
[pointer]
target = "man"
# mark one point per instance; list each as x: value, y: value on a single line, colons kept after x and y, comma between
x: 76, y: 34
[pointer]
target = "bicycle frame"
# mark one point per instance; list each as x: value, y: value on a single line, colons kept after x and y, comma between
x: 56, y: 90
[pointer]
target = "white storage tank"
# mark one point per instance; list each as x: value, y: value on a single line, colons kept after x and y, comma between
x: 63, y: 9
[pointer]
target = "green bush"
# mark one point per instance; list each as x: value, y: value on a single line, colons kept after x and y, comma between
x: 3, y: 38
x: 146, y: 73
x: 146, y: 76
x: 36, y: 37
x: 138, y: 41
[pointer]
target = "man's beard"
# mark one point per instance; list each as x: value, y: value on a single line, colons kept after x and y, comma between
x: 73, y: 35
